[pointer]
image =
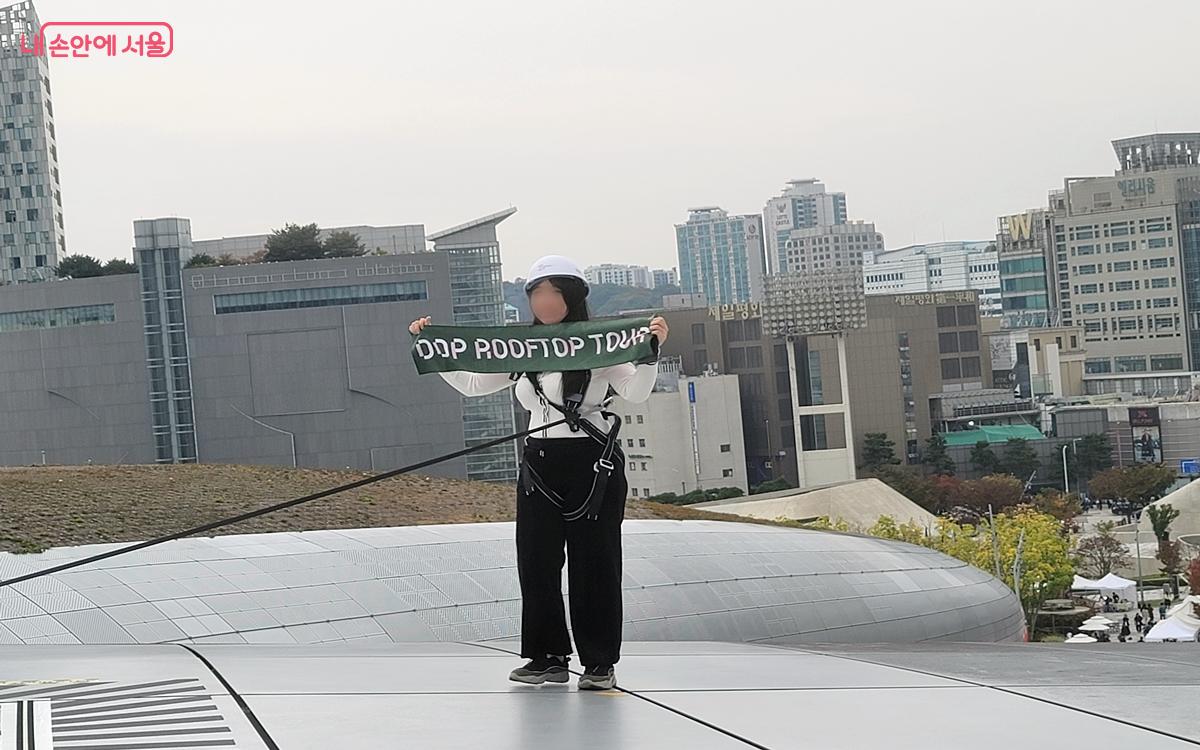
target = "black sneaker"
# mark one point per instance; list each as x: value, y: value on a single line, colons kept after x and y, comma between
x: 599, y: 677
x: 546, y: 668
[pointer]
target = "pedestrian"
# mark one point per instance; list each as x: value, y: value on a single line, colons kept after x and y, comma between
x: 562, y: 468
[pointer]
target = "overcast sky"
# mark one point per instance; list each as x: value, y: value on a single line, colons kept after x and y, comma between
x: 603, y: 123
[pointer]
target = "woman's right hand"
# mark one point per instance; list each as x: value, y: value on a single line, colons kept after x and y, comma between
x: 415, y: 327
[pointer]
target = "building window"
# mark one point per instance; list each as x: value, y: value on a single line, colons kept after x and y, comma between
x: 1097, y: 366
x: 951, y: 369
x: 970, y: 367
x: 946, y: 317
x: 628, y: 419
x: 641, y: 442
x: 58, y: 317
x: 698, y: 333
x: 644, y: 466
x: 291, y: 299
x: 1131, y: 364
x: 633, y: 492
x: 947, y: 342
x: 630, y: 442
x: 726, y: 472
x: 633, y: 465
x: 640, y: 419
x: 725, y: 448
x: 968, y: 341
x: 1166, y: 362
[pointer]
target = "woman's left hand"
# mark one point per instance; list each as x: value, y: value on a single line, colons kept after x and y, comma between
x: 658, y: 328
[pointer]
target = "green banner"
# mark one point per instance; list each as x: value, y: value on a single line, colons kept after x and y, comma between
x: 529, y: 348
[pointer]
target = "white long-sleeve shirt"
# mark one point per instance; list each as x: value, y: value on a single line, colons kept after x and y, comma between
x: 631, y: 382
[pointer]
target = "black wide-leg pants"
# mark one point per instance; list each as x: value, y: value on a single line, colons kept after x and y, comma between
x: 593, y: 555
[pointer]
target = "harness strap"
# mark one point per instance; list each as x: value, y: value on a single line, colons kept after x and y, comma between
x: 589, y: 506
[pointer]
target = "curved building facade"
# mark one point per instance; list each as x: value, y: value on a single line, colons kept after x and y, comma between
x: 683, y: 581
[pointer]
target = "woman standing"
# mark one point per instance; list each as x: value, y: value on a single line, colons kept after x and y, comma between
x: 569, y: 492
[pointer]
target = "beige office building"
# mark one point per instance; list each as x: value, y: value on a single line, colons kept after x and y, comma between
x: 1125, y: 247
x: 686, y: 436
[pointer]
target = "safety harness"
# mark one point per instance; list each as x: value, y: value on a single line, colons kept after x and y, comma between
x: 587, y: 506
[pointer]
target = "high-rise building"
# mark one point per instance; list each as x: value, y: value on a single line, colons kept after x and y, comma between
x: 477, y: 299
x: 665, y: 277
x: 721, y: 256
x: 619, y: 274
x: 804, y: 204
x: 1127, y: 252
x: 937, y: 267
x: 1026, y: 257
x: 32, y: 240
x: 829, y: 248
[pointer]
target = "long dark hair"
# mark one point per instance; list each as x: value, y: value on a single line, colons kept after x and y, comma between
x: 574, y: 293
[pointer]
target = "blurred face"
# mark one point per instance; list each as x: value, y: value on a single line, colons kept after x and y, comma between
x: 547, y: 303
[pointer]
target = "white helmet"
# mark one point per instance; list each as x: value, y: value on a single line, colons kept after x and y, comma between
x: 549, y: 266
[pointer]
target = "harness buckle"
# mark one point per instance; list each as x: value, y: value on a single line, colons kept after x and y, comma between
x: 605, y: 464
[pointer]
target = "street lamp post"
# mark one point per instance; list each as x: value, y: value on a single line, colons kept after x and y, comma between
x: 1066, y: 480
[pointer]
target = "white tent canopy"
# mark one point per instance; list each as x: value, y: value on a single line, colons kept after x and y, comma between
x: 1182, y: 624
x: 1124, y: 587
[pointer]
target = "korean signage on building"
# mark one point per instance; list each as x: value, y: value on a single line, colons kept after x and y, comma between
x: 934, y: 298
x: 738, y: 311
x: 1136, y: 186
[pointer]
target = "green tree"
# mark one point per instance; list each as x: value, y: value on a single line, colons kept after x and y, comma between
x: 1170, y: 556
x: 1045, y: 567
x: 78, y: 267
x: 1091, y: 454
x: 1161, y: 516
x: 1020, y: 459
x: 997, y: 491
x: 697, y: 496
x: 1100, y: 554
x: 1193, y: 577
x: 909, y: 483
x: 294, y: 242
x: 200, y: 260
x: 878, y: 450
x: 116, y: 266
x: 772, y: 485
x: 935, y: 457
x: 984, y: 459
x: 886, y: 528
x: 1140, y: 484
x: 1063, y: 507
x: 343, y: 244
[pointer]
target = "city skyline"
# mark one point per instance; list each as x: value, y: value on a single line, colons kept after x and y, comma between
x: 609, y: 124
